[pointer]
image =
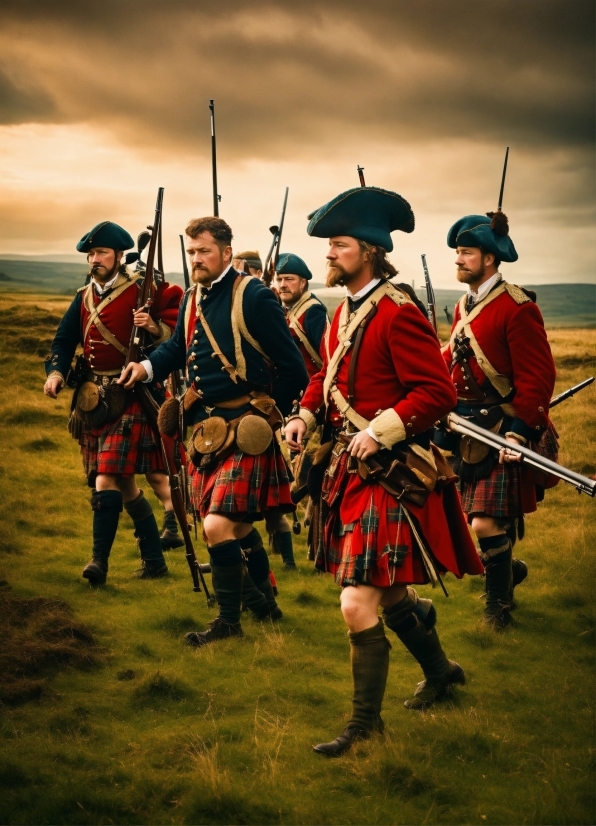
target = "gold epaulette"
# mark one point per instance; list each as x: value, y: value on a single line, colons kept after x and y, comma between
x: 517, y: 294
x: 84, y: 287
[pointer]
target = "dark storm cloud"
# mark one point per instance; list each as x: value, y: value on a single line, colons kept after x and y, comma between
x: 287, y: 76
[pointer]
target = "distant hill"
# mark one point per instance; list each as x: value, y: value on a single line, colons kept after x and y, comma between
x: 44, y: 275
x: 562, y: 305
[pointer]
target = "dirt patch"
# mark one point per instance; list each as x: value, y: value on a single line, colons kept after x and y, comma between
x: 39, y: 637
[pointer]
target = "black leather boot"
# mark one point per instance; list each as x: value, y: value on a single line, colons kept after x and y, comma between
x: 413, y: 620
x: 170, y: 538
x: 282, y: 543
x: 227, y: 573
x: 257, y: 564
x: 496, y: 555
x: 153, y: 563
x: 369, y: 652
x: 107, y: 507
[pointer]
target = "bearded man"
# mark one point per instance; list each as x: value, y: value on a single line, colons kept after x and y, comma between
x: 504, y: 374
x: 243, y: 369
x: 392, y: 513
x: 115, y: 437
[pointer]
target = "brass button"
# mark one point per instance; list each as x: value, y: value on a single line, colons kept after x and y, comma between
x: 466, y: 387
x: 541, y: 409
x: 413, y: 418
x: 409, y: 424
x: 196, y: 341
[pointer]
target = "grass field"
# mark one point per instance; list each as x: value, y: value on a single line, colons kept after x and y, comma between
x: 107, y: 717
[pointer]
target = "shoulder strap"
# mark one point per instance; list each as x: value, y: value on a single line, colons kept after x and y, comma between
x: 94, y: 312
x: 232, y: 371
x: 347, y: 327
x: 501, y: 383
x: 300, y: 308
x: 239, y: 329
x: 518, y: 294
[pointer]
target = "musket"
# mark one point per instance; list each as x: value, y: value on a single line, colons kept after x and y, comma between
x: 184, y: 264
x: 145, y: 298
x: 273, y: 254
x: 566, y: 394
x: 361, y: 175
x: 467, y: 428
x: 216, y: 196
x: 431, y: 310
x: 169, y: 446
x: 503, y: 181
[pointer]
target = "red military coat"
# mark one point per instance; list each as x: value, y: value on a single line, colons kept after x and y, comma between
x: 308, y: 323
x: 510, y: 331
x: 402, y: 387
x: 116, y: 314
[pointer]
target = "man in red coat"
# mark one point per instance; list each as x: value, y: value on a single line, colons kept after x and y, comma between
x: 115, y: 437
x: 382, y: 386
x: 503, y: 371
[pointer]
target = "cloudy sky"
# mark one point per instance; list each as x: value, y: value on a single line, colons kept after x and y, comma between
x: 102, y: 102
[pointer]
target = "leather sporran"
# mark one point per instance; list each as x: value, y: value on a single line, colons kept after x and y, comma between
x: 100, y: 403
x: 408, y: 475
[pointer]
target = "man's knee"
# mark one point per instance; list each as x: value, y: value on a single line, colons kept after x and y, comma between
x: 218, y: 528
x: 485, y: 526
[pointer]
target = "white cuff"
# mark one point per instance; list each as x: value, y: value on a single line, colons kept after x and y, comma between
x: 388, y: 428
x: 309, y: 420
x: 149, y: 369
x: 371, y: 433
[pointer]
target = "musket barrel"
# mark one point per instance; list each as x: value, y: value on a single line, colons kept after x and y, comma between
x: 214, y: 160
x: 566, y: 394
x: 503, y: 180
x: 464, y: 426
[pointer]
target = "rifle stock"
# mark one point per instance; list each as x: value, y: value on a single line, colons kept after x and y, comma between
x: 467, y: 428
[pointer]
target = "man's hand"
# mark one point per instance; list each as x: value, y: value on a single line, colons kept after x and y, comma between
x: 53, y: 386
x: 132, y: 374
x: 506, y: 455
x: 362, y: 445
x: 294, y: 432
x: 143, y: 319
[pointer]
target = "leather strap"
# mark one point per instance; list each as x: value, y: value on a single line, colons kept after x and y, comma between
x: 95, y: 310
x: 356, y: 349
x: 302, y: 306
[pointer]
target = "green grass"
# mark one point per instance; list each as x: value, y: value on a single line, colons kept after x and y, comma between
x: 115, y: 720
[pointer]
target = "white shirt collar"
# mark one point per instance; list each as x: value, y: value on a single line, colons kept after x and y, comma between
x: 100, y: 290
x: 218, y: 279
x: 365, y: 290
x: 485, y: 288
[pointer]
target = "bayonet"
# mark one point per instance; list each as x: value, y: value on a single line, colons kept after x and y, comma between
x: 361, y: 175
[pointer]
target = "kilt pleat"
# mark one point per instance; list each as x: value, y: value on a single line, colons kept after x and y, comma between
x: 124, y: 447
x: 243, y: 485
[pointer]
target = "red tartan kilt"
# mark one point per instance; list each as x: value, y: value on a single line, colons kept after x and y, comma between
x: 123, y: 447
x: 243, y: 485
x: 510, y: 489
x: 369, y: 540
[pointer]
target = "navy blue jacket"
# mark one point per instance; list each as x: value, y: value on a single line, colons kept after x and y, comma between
x: 284, y: 378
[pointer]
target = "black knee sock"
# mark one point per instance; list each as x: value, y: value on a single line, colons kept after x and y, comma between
x: 107, y: 507
x: 146, y: 530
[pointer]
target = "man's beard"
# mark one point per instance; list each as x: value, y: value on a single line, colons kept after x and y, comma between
x: 337, y: 276
x: 470, y: 277
x: 98, y: 270
x: 201, y: 275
